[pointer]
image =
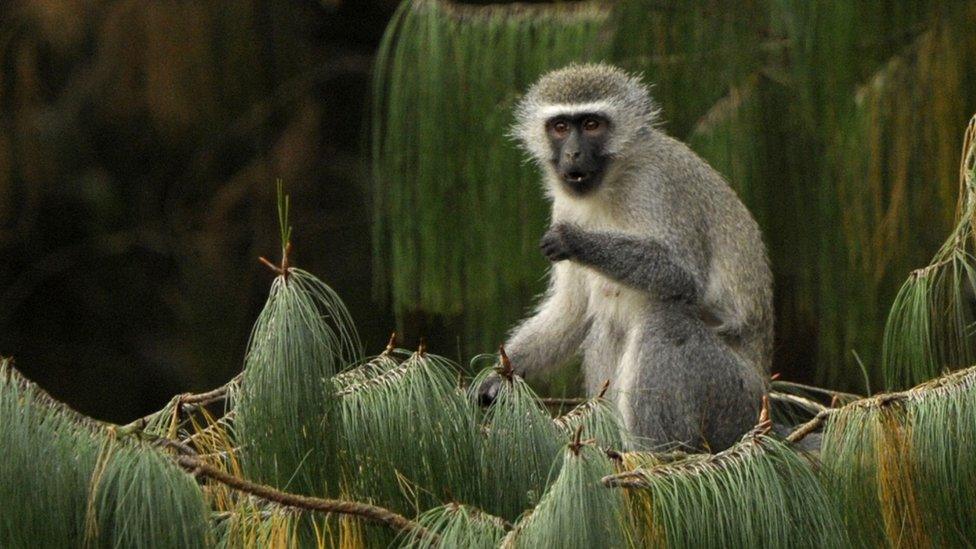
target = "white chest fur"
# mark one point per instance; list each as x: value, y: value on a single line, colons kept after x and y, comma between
x: 612, y: 305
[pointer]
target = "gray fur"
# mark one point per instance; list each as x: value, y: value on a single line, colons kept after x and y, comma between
x: 666, y: 289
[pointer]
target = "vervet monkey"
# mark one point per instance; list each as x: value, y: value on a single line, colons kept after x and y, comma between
x: 659, y: 277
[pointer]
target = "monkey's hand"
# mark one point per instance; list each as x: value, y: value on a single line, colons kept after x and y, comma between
x: 487, y: 392
x: 560, y: 242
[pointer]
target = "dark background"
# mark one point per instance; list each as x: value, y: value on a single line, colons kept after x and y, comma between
x: 140, y: 142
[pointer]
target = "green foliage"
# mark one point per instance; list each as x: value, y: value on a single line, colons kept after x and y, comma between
x: 899, y: 467
x: 457, y: 526
x: 251, y: 526
x: 600, y: 420
x: 411, y: 436
x: 577, y: 511
x: 47, y: 462
x: 758, y: 493
x: 447, y: 78
x: 520, y: 446
x: 67, y: 481
x: 285, y: 408
x: 140, y: 495
x: 929, y: 328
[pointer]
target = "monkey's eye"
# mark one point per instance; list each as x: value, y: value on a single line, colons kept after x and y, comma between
x: 591, y: 124
x: 559, y: 127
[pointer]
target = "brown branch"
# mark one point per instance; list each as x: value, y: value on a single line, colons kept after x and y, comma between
x: 805, y: 429
x: 395, y: 521
x: 781, y: 385
x: 811, y: 406
x: 391, y: 344
x: 563, y: 401
x: 285, y: 267
x: 187, y: 402
x: 507, y: 371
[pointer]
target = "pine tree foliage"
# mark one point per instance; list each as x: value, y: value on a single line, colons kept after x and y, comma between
x: 411, y: 436
x: 467, y: 64
x: 458, y: 525
x: 520, y: 447
x: 139, y: 494
x: 67, y: 481
x: 899, y: 466
x: 930, y: 327
x: 758, y: 493
x: 600, y: 420
x: 34, y: 432
x: 577, y: 511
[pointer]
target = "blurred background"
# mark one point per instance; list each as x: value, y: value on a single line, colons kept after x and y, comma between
x: 140, y: 142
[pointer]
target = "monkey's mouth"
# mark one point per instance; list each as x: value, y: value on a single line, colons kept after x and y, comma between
x: 581, y: 182
x: 576, y: 177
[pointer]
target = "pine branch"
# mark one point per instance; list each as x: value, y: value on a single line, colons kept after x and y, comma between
x: 395, y: 521
x: 45, y: 398
x: 187, y: 402
x: 784, y: 386
x: 940, y: 385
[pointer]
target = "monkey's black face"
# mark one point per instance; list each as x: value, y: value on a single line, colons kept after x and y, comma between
x: 578, y: 144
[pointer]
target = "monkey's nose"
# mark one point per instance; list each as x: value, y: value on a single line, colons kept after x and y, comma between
x: 572, y: 155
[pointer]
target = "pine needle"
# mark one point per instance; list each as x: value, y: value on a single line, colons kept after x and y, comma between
x: 411, y: 437
x: 285, y: 417
x: 758, y: 493
x: 520, y: 447
x: 577, y: 511
x: 457, y: 525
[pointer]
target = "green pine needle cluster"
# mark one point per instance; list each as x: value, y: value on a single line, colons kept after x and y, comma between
x: 758, y: 493
x: 577, y: 511
x: 410, y: 436
x: 286, y: 415
x: 520, y: 446
x: 600, y: 420
x: 67, y: 480
x: 899, y: 467
x: 458, y: 526
x: 930, y: 327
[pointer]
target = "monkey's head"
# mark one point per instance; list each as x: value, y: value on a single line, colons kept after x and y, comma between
x: 577, y: 120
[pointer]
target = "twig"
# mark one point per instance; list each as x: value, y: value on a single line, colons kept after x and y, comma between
x: 781, y: 385
x: 563, y: 401
x: 805, y: 429
x: 186, y: 402
x: 395, y: 521
x: 507, y: 371
x: 285, y: 267
x: 811, y: 406
x: 751, y: 443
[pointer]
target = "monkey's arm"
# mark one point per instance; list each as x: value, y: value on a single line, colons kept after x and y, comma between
x: 555, y: 331
x: 644, y: 264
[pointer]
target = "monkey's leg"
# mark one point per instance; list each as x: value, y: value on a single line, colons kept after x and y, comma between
x: 682, y: 386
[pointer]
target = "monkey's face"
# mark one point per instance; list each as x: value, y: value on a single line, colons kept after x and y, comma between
x: 578, y: 146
